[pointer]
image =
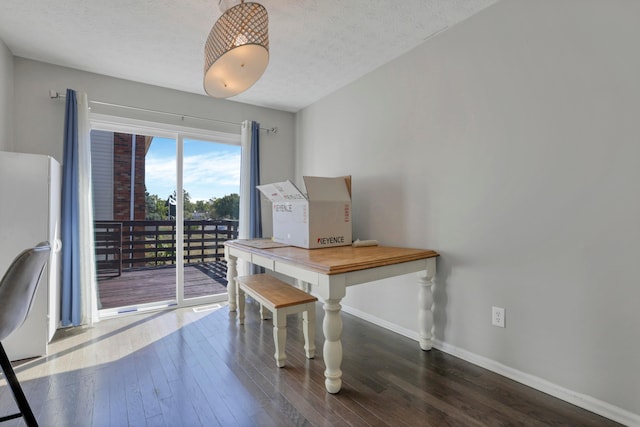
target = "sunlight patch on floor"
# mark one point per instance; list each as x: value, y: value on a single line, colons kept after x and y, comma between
x: 83, y: 347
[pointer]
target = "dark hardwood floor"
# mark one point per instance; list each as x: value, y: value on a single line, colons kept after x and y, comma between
x: 187, y: 368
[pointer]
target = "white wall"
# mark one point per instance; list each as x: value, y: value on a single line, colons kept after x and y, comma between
x: 6, y: 97
x: 38, y: 126
x: 510, y: 144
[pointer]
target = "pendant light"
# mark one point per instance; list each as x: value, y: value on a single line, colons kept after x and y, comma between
x: 237, y: 50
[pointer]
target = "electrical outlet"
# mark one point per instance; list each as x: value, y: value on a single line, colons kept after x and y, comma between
x: 497, y: 316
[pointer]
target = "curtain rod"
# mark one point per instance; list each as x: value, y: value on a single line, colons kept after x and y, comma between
x: 57, y: 95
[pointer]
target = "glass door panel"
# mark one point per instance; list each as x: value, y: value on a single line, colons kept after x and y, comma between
x: 211, y: 184
x: 134, y: 211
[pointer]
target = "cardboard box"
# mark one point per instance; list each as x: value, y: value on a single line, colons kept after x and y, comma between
x: 319, y: 219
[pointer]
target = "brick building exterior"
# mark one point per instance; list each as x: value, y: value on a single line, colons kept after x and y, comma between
x: 122, y: 146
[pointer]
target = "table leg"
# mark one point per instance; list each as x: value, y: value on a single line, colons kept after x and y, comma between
x: 425, y: 305
x: 332, y: 350
x: 232, y: 272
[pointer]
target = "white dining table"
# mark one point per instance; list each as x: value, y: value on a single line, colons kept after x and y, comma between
x: 328, y: 272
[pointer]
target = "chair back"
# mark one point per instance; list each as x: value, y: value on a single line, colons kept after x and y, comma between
x: 18, y: 287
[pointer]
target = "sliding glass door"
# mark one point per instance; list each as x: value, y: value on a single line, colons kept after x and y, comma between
x: 164, y: 204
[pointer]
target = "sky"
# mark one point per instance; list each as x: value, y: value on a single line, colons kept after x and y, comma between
x: 211, y: 170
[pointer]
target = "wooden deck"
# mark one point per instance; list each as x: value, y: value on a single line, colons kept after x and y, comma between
x: 154, y: 284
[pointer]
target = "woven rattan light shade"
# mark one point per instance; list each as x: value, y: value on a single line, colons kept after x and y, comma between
x: 237, y: 50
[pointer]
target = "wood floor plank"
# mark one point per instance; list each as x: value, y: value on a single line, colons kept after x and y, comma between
x: 178, y: 411
x: 85, y: 401
x: 193, y: 402
x: 134, y: 406
x: 153, y: 361
x: 101, y: 416
x: 117, y: 399
x: 150, y: 399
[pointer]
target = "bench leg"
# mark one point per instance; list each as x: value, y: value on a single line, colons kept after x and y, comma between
x: 280, y: 337
x: 241, y: 304
x: 309, y: 330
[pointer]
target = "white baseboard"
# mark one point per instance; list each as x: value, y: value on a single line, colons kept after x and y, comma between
x: 581, y: 400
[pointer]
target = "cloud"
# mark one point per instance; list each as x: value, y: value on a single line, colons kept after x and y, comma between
x: 211, y: 175
x: 160, y: 175
x: 206, y: 175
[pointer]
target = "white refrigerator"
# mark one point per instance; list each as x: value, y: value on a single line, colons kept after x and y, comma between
x: 30, y: 197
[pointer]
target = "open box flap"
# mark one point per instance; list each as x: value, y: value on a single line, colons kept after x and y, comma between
x: 327, y: 189
x: 281, y: 192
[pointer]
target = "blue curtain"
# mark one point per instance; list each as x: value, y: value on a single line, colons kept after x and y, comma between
x: 255, y: 214
x: 255, y: 217
x: 70, y: 304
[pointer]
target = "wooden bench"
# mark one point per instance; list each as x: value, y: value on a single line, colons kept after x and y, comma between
x: 281, y: 299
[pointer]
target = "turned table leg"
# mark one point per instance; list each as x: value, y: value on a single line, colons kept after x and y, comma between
x: 425, y: 305
x: 332, y: 350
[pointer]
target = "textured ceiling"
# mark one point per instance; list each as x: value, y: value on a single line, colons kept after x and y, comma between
x: 316, y: 46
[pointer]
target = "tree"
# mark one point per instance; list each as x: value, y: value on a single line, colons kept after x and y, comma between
x: 201, y: 206
x: 188, y: 206
x: 211, y: 209
x: 156, y: 208
x: 227, y: 207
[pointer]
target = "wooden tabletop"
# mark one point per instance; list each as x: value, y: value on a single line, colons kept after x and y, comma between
x: 341, y: 259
